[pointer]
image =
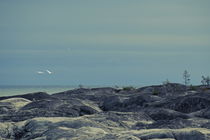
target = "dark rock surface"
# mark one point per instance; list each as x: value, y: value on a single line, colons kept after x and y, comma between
x: 167, y: 112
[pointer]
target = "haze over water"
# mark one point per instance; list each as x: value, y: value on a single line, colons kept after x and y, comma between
x: 17, y: 90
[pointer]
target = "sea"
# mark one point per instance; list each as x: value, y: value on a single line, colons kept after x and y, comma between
x: 18, y: 90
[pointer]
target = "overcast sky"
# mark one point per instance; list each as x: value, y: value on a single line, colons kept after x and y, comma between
x: 103, y: 42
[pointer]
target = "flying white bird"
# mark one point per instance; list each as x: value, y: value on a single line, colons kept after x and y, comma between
x: 40, y: 72
x: 49, y: 72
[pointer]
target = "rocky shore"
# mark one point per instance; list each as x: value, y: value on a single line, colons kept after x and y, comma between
x: 163, y: 112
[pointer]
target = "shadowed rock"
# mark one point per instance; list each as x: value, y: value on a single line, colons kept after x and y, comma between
x: 52, y: 108
x: 186, y: 104
x: 164, y: 114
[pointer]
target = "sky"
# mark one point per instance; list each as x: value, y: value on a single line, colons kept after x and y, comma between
x: 103, y: 42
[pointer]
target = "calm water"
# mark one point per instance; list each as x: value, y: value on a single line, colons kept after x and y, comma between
x: 17, y: 90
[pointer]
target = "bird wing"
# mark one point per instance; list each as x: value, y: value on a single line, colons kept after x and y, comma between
x: 48, y: 71
x: 40, y: 72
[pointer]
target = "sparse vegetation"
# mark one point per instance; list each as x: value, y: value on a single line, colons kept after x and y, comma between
x: 128, y: 88
x: 155, y: 92
x: 192, y: 87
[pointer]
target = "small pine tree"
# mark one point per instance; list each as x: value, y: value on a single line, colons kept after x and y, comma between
x: 80, y: 86
x: 166, y: 82
x: 205, y: 80
x: 186, y: 77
